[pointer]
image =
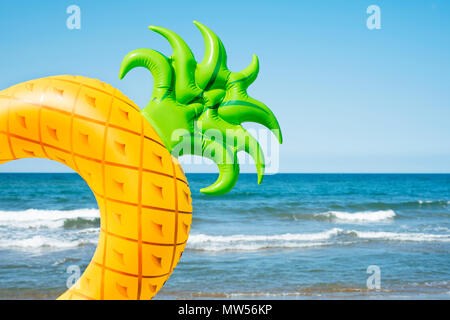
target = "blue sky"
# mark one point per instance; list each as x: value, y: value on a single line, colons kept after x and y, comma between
x: 348, y: 99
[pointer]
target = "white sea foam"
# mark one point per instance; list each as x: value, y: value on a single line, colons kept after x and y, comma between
x: 203, y: 238
x: 51, y: 219
x: 40, y: 242
x: 253, y: 247
x: 258, y: 242
x: 335, y: 236
x: 393, y: 236
x: 359, y: 217
x: 440, y: 202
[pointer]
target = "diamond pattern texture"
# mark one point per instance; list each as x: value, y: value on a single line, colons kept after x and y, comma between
x: 141, y: 190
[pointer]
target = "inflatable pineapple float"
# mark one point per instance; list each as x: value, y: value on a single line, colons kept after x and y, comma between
x: 128, y: 156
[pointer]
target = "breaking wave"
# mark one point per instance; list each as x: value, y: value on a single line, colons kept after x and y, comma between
x: 365, y: 216
x: 41, y: 242
x: 335, y: 236
x: 50, y: 219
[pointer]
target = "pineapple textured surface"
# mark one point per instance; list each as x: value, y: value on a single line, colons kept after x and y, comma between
x: 141, y: 190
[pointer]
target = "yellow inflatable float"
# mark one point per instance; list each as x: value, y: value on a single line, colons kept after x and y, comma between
x: 124, y: 154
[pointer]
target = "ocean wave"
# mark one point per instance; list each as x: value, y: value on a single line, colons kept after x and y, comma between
x: 41, y: 242
x: 203, y: 238
x: 254, y: 246
x: 203, y: 242
x: 50, y: 219
x: 393, y: 236
x: 335, y: 236
x: 64, y: 261
x: 377, y: 206
x: 358, y: 217
x: 303, y: 209
x: 364, y: 216
x: 433, y: 202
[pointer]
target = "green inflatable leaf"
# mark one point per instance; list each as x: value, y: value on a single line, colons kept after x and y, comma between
x: 198, y: 108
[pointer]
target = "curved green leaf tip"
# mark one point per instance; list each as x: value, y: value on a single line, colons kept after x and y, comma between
x: 199, y: 108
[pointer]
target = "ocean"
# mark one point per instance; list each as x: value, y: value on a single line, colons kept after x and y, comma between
x: 296, y: 236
